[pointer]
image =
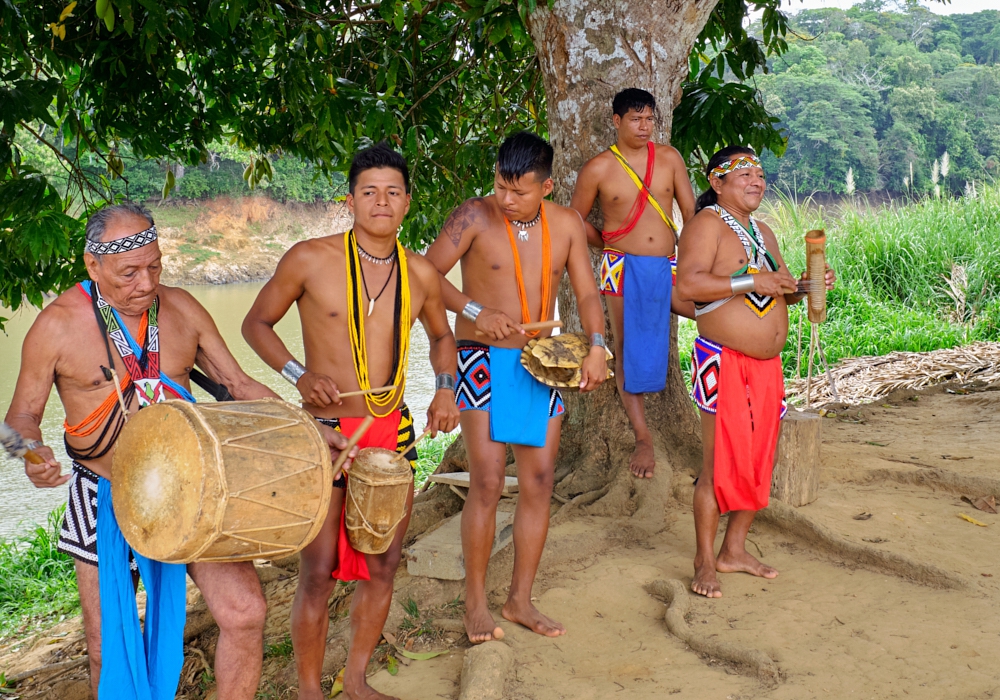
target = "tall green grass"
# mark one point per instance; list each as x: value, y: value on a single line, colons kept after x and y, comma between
x: 430, y: 452
x: 917, y: 276
x: 37, y: 583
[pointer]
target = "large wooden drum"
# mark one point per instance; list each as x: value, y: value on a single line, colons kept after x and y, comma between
x: 378, y: 485
x: 221, y: 482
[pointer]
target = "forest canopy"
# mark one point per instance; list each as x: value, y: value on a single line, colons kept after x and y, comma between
x: 885, y: 94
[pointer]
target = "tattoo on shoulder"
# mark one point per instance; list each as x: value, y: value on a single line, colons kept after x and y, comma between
x: 465, y: 217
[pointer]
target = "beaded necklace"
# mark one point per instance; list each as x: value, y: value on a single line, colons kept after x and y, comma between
x: 379, y: 405
x: 546, y: 272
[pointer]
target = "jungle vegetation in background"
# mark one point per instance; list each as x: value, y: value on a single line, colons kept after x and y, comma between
x: 879, y: 92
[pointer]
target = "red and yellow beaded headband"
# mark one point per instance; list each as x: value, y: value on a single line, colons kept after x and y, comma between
x: 744, y: 161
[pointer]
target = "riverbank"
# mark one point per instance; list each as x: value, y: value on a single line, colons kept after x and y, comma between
x: 237, y: 239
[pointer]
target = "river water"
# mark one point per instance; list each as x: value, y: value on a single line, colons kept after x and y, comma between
x: 228, y: 304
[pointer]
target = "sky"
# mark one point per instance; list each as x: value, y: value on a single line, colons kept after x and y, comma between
x: 953, y: 7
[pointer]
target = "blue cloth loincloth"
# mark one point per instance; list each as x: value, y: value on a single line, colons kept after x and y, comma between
x: 519, y: 411
x: 646, y: 352
x: 137, y: 664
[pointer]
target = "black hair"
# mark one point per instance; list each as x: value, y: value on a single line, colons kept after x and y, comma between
x: 524, y: 153
x: 381, y: 155
x: 709, y: 197
x: 632, y: 98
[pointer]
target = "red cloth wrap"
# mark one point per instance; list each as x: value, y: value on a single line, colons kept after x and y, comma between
x: 747, y: 419
x: 639, y: 205
x: 351, y: 564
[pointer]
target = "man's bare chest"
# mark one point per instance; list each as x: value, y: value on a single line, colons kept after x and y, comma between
x: 85, y: 352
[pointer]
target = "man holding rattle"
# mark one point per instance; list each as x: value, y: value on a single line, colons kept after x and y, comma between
x: 513, y: 247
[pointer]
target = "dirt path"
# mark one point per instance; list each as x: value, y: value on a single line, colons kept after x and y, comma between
x: 834, y: 629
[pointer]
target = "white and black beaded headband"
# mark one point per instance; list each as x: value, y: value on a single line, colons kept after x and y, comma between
x: 122, y: 245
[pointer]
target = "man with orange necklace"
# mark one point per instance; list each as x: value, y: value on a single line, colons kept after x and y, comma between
x: 513, y: 248
x: 638, y: 261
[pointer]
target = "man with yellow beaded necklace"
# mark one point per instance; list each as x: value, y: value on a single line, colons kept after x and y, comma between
x: 358, y: 294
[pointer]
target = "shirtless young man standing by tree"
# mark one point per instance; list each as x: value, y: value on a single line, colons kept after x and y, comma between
x: 508, y: 276
x: 151, y: 336
x: 638, y: 257
x: 731, y: 268
x: 358, y: 294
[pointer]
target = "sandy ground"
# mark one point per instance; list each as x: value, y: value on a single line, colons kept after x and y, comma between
x: 834, y: 628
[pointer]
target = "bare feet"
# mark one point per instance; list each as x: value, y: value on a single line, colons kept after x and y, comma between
x: 705, y: 581
x: 528, y: 616
x: 315, y: 694
x: 643, y: 462
x: 728, y: 563
x: 480, y: 626
x: 363, y: 692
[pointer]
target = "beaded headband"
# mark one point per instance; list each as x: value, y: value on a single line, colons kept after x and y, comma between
x: 744, y: 161
x: 122, y: 245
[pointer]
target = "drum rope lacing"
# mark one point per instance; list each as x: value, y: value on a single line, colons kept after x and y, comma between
x: 365, y: 524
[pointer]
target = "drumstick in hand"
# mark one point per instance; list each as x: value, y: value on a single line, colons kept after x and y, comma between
x: 15, y: 445
x: 366, y: 392
x: 351, y: 442
x: 537, y: 326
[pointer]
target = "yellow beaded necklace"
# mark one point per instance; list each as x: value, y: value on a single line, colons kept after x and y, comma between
x: 378, y: 403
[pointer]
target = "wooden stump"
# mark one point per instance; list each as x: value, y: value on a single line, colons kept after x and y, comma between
x: 797, y: 462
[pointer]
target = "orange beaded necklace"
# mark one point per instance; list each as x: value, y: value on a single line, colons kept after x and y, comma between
x: 546, y: 273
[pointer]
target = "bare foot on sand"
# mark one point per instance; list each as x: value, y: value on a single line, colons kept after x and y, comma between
x: 528, y: 616
x: 728, y: 563
x: 364, y: 692
x: 642, y: 462
x: 315, y: 694
x: 481, y: 627
x: 705, y: 581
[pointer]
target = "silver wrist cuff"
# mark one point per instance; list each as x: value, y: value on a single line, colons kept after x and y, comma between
x: 293, y: 371
x: 472, y: 310
x: 444, y: 381
x: 741, y: 284
x: 597, y: 340
x: 34, y: 444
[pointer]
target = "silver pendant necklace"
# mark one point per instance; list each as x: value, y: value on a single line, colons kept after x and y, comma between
x: 523, y: 226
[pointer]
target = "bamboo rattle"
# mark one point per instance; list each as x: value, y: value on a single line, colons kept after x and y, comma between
x: 816, y: 275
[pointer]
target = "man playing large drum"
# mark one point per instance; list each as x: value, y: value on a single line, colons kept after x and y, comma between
x: 729, y: 265
x: 508, y: 276
x: 119, y: 341
x: 638, y: 253
x: 358, y: 294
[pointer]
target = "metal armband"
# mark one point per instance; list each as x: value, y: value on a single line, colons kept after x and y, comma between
x: 444, y: 381
x: 741, y: 284
x: 472, y: 310
x: 293, y: 371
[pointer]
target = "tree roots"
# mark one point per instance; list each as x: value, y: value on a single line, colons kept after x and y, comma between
x: 751, y: 662
x: 783, y: 517
x: 485, y: 671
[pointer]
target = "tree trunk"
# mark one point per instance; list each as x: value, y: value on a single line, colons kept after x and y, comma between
x: 588, y: 51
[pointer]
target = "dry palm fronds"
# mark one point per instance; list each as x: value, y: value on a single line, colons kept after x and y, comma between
x: 866, y: 379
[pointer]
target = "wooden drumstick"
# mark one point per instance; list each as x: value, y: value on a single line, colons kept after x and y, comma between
x: 351, y: 442
x: 402, y: 455
x: 536, y: 326
x: 366, y: 392
x: 15, y: 445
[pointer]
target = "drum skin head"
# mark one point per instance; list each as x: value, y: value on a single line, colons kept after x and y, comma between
x: 222, y: 482
x: 162, y: 490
